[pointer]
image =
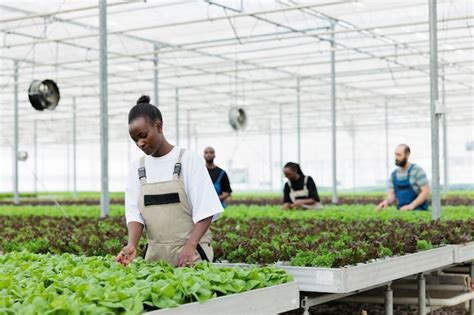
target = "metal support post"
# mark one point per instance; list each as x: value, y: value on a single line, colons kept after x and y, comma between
x: 104, y: 128
x: 333, y: 116
x: 388, y: 300
x: 74, y: 151
x: 421, y: 294
x: 435, y: 196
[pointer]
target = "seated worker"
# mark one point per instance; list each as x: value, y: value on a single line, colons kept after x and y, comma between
x: 408, y: 184
x: 300, y: 191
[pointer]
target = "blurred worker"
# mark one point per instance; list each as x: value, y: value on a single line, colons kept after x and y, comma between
x: 408, y: 184
x: 300, y: 191
x: 169, y: 193
x: 219, y: 176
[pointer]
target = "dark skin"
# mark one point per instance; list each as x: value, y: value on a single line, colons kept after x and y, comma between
x: 149, y: 137
x: 209, y: 156
x: 293, y: 176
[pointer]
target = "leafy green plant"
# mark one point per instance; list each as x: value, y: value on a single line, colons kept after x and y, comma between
x: 423, y: 245
x: 40, y: 284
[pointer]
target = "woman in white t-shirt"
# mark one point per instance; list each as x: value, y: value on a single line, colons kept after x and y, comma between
x: 169, y: 194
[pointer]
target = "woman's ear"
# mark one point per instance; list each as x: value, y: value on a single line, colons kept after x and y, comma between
x: 159, y: 126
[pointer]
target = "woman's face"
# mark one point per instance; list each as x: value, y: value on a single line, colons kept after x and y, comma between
x: 290, y: 174
x: 147, y: 136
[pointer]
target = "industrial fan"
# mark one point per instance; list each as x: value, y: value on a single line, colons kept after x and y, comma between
x: 237, y: 118
x: 43, y: 94
x: 22, y: 156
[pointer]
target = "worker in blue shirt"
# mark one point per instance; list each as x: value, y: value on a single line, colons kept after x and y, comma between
x: 408, y: 184
x: 219, y: 176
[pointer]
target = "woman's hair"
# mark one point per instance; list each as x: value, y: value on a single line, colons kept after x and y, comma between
x: 295, y: 167
x: 144, y: 109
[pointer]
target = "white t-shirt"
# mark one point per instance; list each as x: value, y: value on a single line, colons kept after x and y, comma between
x: 198, y: 185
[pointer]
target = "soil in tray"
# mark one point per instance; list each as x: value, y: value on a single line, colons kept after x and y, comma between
x: 338, y: 308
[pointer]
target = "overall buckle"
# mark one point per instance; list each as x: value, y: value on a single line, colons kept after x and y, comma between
x: 177, y: 168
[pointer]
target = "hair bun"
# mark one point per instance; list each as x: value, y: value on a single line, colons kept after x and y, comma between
x: 144, y: 99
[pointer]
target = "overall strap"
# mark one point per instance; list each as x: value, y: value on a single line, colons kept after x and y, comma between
x: 289, y: 185
x: 305, y: 182
x: 177, y: 166
x: 142, y: 171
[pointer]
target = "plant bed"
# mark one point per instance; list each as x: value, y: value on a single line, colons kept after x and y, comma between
x: 315, y: 242
x: 36, y: 284
x: 331, y: 243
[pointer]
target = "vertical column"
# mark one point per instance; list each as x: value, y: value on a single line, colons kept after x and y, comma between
x: 35, y: 152
x: 387, y: 157
x: 16, y: 195
x: 353, y: 134
x: 280, y: 112
x: 177, y: 114
x: 421, y: 294
x: 445, y: 135
x: 388, y: 300
x: 104, y: 128
x: 435, y: 196
x: 333, y: 116
x: 298, y: 118
x: 74, y: 150
x: 156, y: 47
x: 270, y: 153
x: 471, y: 274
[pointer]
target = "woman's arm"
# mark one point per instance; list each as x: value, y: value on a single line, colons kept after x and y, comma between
x: 129, y: 252
x: 189, y: 250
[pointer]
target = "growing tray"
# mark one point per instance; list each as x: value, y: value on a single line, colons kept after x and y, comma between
x: 370, y: 274
x: 464, y: 252
x: 271, y: 300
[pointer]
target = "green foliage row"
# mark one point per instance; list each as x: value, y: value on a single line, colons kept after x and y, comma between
x: 339, y: 212
x: 468, y: 194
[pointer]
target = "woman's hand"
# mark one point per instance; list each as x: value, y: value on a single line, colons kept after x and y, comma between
x: 407, y: 208
x: 127, y: 255
x: 382, y: 205
x: 186, y: 256
x: 299, y: 203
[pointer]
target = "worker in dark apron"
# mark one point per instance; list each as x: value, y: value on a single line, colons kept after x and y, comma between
x: 169, y: 195
x: 408, y: 184
x: 218, y: 176
x: 300, y: 192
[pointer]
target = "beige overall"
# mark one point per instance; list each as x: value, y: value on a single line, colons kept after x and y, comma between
x: 294, y: 194
x: 168, y: 219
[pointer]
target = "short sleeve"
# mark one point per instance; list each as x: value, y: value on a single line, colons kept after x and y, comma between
x: 201, y: 192
x: 132, y: 193
x: 286, y: 194
x: 421, y: 178
x: 390, y: 180
x: 225, y: 184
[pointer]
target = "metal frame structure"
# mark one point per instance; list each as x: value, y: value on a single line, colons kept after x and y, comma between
x: 249, y: 53
x: 322, y: 285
